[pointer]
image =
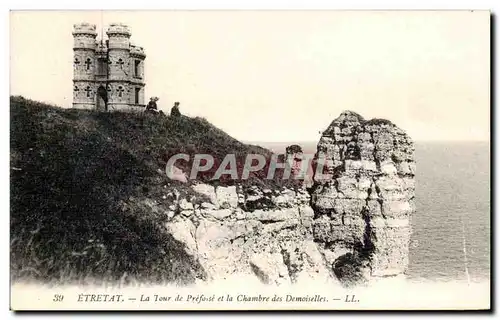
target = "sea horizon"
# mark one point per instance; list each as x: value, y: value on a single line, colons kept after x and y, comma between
x: 445, y: 208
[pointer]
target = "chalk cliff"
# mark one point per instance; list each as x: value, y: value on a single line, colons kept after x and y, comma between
x: 108, y: 212
x: 261, y: 232
x: 362, y: 212
x: 348, y: 227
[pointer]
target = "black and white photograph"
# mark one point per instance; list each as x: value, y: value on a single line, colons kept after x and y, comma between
x: 250, y: 160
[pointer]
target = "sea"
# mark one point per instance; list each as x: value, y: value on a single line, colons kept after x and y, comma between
x: 450, y: 238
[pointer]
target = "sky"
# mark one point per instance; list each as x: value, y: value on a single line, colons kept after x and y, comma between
x: 283, y: 76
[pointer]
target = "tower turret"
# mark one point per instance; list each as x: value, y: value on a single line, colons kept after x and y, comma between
x: 137, y: 83
x: 119, y: 89
x: 84, y: 61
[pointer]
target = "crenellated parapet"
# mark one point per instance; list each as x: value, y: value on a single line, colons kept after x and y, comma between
x: 84, y: 29
x: 136, y: 51
x: 118, y: 30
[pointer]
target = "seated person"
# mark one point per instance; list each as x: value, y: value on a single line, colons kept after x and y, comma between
x: 175, y: 112
x: 152, y: 104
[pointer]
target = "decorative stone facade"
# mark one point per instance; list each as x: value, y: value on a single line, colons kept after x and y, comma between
x: 108, y: 74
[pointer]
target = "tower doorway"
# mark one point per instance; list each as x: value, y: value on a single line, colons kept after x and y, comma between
x: 102, y: 99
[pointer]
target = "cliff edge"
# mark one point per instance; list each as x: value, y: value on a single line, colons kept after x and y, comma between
x: 351, y: 226
x: 91, y: 202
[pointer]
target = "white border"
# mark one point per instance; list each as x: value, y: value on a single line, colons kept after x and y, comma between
x: 492, y: 5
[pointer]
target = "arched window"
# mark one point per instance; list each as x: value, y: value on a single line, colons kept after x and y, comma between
x: 120, y: 62
x: 137, y: 70
x: 101, y: 67
x: 137, y: 95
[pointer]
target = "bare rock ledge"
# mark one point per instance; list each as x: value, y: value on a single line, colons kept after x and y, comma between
x: 348, y: 228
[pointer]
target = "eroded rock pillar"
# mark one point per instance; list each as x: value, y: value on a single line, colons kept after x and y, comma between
x: 364, y: 200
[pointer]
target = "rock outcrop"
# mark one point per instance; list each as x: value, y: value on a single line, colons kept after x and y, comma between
x: 263, y: 232
x: 350, y: 226
x: 364, y: 200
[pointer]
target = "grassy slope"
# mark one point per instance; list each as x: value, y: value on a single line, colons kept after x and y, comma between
x: 76, y: 177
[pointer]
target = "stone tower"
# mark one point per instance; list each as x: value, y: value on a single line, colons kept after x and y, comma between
x: 84, y: 49
x: 108, y: 74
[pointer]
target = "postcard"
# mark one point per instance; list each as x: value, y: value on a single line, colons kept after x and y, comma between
x: 250, y: 160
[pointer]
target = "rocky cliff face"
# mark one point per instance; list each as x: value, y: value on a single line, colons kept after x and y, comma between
x: 362, y: 211
x: 261, y: 232
x: 348, y: 227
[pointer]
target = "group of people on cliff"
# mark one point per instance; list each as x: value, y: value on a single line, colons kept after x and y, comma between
x: 152, y: 107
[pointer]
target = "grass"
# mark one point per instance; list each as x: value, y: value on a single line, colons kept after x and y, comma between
x: 79, y: 179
